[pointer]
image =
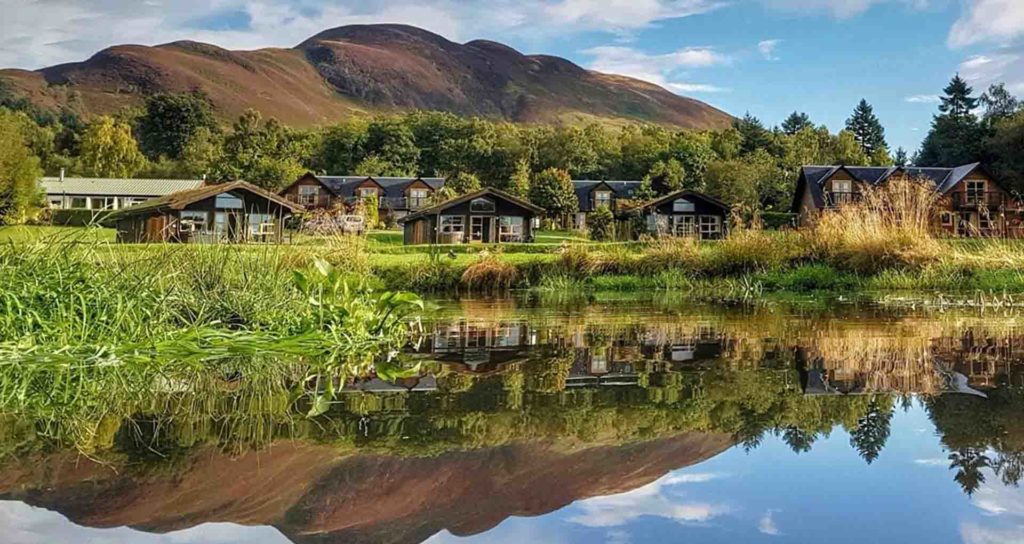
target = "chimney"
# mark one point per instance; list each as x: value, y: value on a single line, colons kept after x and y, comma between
x: 62, y: 175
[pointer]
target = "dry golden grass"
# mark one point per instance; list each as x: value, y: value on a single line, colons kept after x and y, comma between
x: 490, y: 273
x: 890, y: 227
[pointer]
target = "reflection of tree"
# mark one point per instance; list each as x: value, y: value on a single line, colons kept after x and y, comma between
x: 549, y: 374
x: 969, y: 464
x: 873, y: 428
x: 798, y: 439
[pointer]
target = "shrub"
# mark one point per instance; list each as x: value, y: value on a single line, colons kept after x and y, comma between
x: 490, y: 273
x: 601, y: 224
x: 814, y: 277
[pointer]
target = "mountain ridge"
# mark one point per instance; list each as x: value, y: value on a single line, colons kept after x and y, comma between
x: 356, y: 70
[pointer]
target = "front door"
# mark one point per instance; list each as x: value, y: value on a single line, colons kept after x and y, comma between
x: 476, y: 228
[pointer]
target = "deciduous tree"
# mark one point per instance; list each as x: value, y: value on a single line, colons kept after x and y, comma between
x: 109, y: 150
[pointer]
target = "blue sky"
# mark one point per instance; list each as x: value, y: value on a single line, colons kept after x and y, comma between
x: 768, y: 57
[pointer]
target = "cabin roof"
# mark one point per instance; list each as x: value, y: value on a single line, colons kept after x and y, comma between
x: 181, y: 199
x: 944, y: 179
x: 489, y: 191
x: 117, y: 186
x: 621, y: 188
x: 682, y: 193
x: 394, y: 187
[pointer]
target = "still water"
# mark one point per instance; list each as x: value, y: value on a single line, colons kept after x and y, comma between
x: 619, y: 421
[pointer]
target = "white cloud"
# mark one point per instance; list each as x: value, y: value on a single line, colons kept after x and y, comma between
x: 972, y: 533
x: 1003, y: 66
x: 24, y: 524
x: 840, y: 9
x: 766, y: 524
x: 40, y: 33
x: 767, y: 49
x: 935, y: 462
x: 692, y: 477
x: 988, y: 21
x: 666, y: 70
x: 649, y: 500
x: 923, y: 99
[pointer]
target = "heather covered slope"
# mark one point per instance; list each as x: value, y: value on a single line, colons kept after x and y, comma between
x: 356, y: 69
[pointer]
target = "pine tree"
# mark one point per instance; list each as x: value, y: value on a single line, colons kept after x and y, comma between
x: 753, y: 132
x: 873, y: 429
x: 796, y: 122
x: 956, y: 136
x: 519, y: 183
x: 866, y: 128
x: 901, y: 158
x: 958, y: 102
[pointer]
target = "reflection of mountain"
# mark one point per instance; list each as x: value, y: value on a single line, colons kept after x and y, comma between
x: 311, y: 495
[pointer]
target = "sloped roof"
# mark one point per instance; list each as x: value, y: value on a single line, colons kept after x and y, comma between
x: 181, y: 199
x: 437, y: 208
x: 944, y: 179
x: 117, y: 186
x: 621, y: 188
x: 394, y: 187
x: 682, y: 193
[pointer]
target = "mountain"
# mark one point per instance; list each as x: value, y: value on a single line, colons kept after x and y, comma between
x: 360, y: 69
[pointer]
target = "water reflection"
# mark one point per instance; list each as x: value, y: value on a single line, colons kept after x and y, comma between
x: 524, y: 411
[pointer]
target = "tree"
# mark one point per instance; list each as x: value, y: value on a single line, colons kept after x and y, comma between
x: 601, y: 224
x: 519, y: 183
x: 342, y: 147
x: 667, y: 176
x: 866, y: 129
x: 795, y: 123
x: 170, y: 121
x: 393, y: 143
x: 872, y: 431
x: 20, y: 196
x: 264, y: 153
x: 956, y: 136
x: 645, y: 192
x: 753, y: 132
x: 1005, y: 149
x: 999, y: 104
x: 901, y: 158
x: 463, y: 183
x: 553, y: 190
x: 109, y: 150
x: 202, y: 153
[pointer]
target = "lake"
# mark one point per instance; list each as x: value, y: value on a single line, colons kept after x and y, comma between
x: 548, y: 419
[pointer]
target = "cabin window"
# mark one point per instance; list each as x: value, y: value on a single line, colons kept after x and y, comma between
x: 481, y: 205
x: 103, y: 203
x: 129, y: 201
x: 193, y: 221
x: 683, y: 206
x: 308, y: 194
x: 261, y: 224
x: 228, y: 201
x: 603, y: 199
x: 975, y: 190
x: 947, y: 219
x: 79, y: 202
x: 56, y: 202
x: 510, y: 229
x: 684, y: 225
x: 453, y: 223
x: 710, y: 226
x: 842, y: 186
x: 418, y: 198
x: 367, y: 192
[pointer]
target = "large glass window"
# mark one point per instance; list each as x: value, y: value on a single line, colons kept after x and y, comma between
x: 481, y: 205
x: 367, y: 192
x: 603, y: 199
x: 228, y: 201
x: 261, y: 224
x: 975, y: 191
x: 510, y: 229
x: 103, y: 203
x: 308, y: 194
x: 684, y: 225
x: 683, y: 206
x: 710, y: 226
x: 79, y: 202
x: 453, y: 223
x: 193, y: 221
x: 418, y: 198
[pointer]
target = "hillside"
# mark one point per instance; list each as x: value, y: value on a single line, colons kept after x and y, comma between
x: 360, y: 69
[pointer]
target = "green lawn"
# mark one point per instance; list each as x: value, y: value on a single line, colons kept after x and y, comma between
x: 23, y: 234
x: 559, y: 236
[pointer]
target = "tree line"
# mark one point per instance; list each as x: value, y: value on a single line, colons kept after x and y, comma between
x: 749, y: 163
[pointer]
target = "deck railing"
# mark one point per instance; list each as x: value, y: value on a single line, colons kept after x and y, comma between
x: 975, y: 199
x: 838, y: 198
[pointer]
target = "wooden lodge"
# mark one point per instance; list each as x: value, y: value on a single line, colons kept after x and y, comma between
x: 683, y: 213
x: 593, y: 195
x: 973, y: 201
x: 229, y: 212
x: 487, y: 216
x: 396, y: 197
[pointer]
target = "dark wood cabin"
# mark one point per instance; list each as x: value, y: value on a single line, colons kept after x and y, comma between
x: 593, y: 195
x: 229, y: 212
x: 397, y: 197
x: 488, y: 216
x: 683, y: 213
x: 973, y: 201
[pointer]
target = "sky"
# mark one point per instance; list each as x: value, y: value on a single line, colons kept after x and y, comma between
x: 766, y: 57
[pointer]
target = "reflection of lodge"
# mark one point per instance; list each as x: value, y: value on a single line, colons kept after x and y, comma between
x: 948, y: 364
x: 480, y: 348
